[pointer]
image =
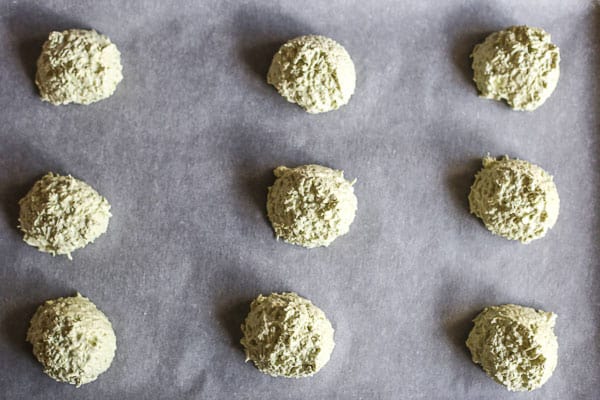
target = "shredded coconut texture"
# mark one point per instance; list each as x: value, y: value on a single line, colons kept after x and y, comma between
x: 310, y: 205
x: 519, y: 65
x: 72, y: 339
x: 61, y: 214
x: 286, y: 335
x: 78, y: 66
x: 515, y: 199
x: 515, y: 345
x: 314, y: 72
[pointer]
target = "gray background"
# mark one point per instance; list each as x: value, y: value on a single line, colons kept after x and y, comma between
x: 184, y: 152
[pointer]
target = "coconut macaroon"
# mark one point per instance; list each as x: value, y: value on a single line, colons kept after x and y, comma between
x: 72, y: 339
x: 286, y: 335
x: 61, y: 214
x: 515, y: 199
x: 78, y: 66
x: 314, y: 72
x: 519, y: 65
x: 515, y: 345
x: 310, y: 205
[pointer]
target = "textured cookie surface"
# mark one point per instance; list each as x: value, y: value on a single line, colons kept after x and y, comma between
x: 519, y: 64
x: 515, y: 345
x: 286, y: 335
x: 314, y: 72
x: 61, y: 214
x: 310, y: 205
x: 515, y: 199
x: 72, y: 339
x: 78, y: 66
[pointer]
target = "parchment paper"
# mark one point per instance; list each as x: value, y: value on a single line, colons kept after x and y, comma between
x: 184, y: 152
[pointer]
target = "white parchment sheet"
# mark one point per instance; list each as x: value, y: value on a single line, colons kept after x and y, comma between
x: 184, y: 152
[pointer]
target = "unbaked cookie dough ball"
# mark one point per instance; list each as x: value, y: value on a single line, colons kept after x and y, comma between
x: 61, y: 214
x: 286, y: 335
x: 72, y: 339
x: 78, y: 66
x: 515, y: 199
x: 314, y: 72
x: 310, y: 205
x: 519, y: 65
x: 515, y: 345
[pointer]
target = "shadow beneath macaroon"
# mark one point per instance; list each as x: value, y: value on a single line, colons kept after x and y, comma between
x: 459, y: 179
x: 461, y: 53
x: 456, y: 319
x: 254, y: 155
x: 235, y: 289
x: 15, y: 325
x: 255, y: 182
x: 22, y: 165
x: 29, y: 289
x: 231, y: 319
x: 30, y: 25
x: 260, y: 32
x: 457, y: 328
x: 468, y: 26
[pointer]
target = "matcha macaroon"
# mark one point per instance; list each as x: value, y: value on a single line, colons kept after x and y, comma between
x: 78, y: 66
x: 61, y: 214
x: 310, y: 205
x: 314, y: 72
x: 515, y: 345
x: 519, y: 64
x: 286, y: 335
x: 514, y: 199
x: 72, y: 339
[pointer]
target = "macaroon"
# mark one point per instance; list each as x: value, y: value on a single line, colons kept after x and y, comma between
x: 515, y: 345
x: 519, y: 65
x: 61, y: 214
x: 515, y: 199
x: 72, y: 339
x: 78, y: 66
x: 314, y: 72
x: 310, y: 205
x: 286, y: 335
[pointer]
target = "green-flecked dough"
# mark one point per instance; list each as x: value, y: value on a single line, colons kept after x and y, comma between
x: 310, y: 205
x: 286, y: 335
x: 515, y: 345
x: 314, y: 72
x: 519, y: 64
x: 515, y: 199
x: 61, y: 214
x: 72, y: 339
x: 78, y: 66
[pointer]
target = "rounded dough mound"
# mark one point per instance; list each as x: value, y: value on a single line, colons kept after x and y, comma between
x: 310, y: 205
x: 72, y: 339
x: 314, y: 72
x: 78, y: 66
x: 61, y: 214
x: 286, y: 335
x: 519, y: 65
x: 515, y: 345
x: 515, y: 199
